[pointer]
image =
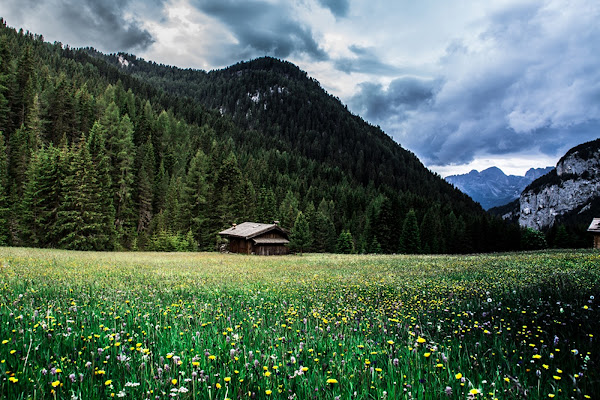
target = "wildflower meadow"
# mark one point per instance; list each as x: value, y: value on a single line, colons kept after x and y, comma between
x: 81, y: 325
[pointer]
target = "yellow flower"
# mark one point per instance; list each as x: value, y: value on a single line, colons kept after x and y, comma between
x: 174, y: 381
x: 267, y: 373
x: 170, y: 355
x: 331, y: 380
x: 506, y: 379
x: 551, y: 395
x: 427, y: 355
x: 474, y: 391
x: 55, y: 383
x: 13, y: 379
x: 4, y: 341
x: 268, y: 392
x: 421, y: 340
x: 536, y: 356
x: 218, y: 385
x: 556, y: 377
x: 211, y: 357
x: 458, y: 376
x: 227, y: 379
x: 304, y: 369
x: 195, y: 363
x: 559, y: 371
x: 390, y: 342
x: 108, y: 382
x: 546, y: 366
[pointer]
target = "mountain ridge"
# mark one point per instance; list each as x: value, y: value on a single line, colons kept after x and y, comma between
x: 492, y: 187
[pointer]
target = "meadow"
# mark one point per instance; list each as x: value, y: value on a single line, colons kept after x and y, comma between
x: 77, y: 325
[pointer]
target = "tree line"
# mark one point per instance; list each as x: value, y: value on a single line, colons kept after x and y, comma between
x: 92, y: 158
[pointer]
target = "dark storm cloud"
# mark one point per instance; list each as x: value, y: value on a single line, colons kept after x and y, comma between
x: 103, y: 21
x: 365, y: 61
x: 83, y: 22
x: 339, y: 8
x: 263, y: 28
x: 403, y: 94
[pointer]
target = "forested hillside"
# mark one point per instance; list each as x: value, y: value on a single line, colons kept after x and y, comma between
x: 107, y: 152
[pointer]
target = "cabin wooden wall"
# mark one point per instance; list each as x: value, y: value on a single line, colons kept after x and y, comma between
x: 597, y: 241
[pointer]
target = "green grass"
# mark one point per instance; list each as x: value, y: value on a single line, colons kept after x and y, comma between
x: 201, y: 325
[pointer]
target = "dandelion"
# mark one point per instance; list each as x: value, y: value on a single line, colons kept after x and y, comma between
x: 107, y: 382
x: 390, y: 342
x: 420, y: 340
x: 174, y: 381
x: 218, y: 385
x: 227, y: 379
x: 427, y: 355
x: 474, y: 391
x: 458, y: 376
x: 55, y: 383
x: 268, y: 392
x: 13, y: 379
x: 331, y: 381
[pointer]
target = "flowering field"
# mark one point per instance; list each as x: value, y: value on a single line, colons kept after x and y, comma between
x: 211, y: 326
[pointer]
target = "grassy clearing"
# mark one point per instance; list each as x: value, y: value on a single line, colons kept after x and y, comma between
x: 200, y: 325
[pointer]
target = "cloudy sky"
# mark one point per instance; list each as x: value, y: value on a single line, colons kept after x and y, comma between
x: 464, y: 84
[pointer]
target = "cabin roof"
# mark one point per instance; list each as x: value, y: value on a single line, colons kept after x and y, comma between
x: 595, y: 226
x: 248, y: 230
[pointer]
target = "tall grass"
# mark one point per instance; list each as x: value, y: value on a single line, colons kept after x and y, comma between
x: 200, y: 325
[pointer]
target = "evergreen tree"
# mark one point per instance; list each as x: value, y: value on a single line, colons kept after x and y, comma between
x: 410, y: 241
x: 4, y: 208
x: 345, y: 244
x: 101, y: 161
x: 431, y: 231
x: 145, y: 186
x: 194, y: 203
x: 288, y: 210
x: 324, y: 233
x: 80, y: 219
x: 300, y: 237
x: 266, y: 206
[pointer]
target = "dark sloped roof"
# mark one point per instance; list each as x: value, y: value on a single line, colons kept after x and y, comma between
x: 248, y: 230
x: 270, y: 241
x: 595, y: 226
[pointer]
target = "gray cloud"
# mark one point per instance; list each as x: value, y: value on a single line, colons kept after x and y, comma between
x: 339, y: 8
x: 528, y: 81
x: 402, y: 95
x: 366, y: 61
x: 83, y: 23
x: 263, y: 28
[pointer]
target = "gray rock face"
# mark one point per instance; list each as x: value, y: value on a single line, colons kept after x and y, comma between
x: 577, y: 183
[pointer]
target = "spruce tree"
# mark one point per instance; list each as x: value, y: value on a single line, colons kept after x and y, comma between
x: 4, y: 209
x: 194, y: 208
x: 300, y: 237
x: 410, y: 241
x: 345, y: 244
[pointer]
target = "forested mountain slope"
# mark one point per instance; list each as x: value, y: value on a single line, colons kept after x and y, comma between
x: 95, y: 154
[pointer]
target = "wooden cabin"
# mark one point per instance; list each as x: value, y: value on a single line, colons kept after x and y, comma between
x: 255, y: 238
x: 595, y: 230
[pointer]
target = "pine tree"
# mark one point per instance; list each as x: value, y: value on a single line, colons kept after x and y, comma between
x: 345, y: 244
x: 145, y: 186
x: 300, y: 237
x: 431, y: 231
x: 80, y: 217
x: 122, y: 175
x: 324, y: 233
x: 194, y: 202
x: 101, y: 161
x: 410, y: 241
x: 4, y: 208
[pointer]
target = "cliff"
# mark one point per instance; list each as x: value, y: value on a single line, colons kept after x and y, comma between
x: 569, y: 190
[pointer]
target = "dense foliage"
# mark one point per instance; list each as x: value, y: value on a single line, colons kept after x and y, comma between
x: 88, y: 325
x: 98, y: 155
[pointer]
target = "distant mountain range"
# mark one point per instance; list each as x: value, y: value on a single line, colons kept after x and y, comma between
x: 492, y: 187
